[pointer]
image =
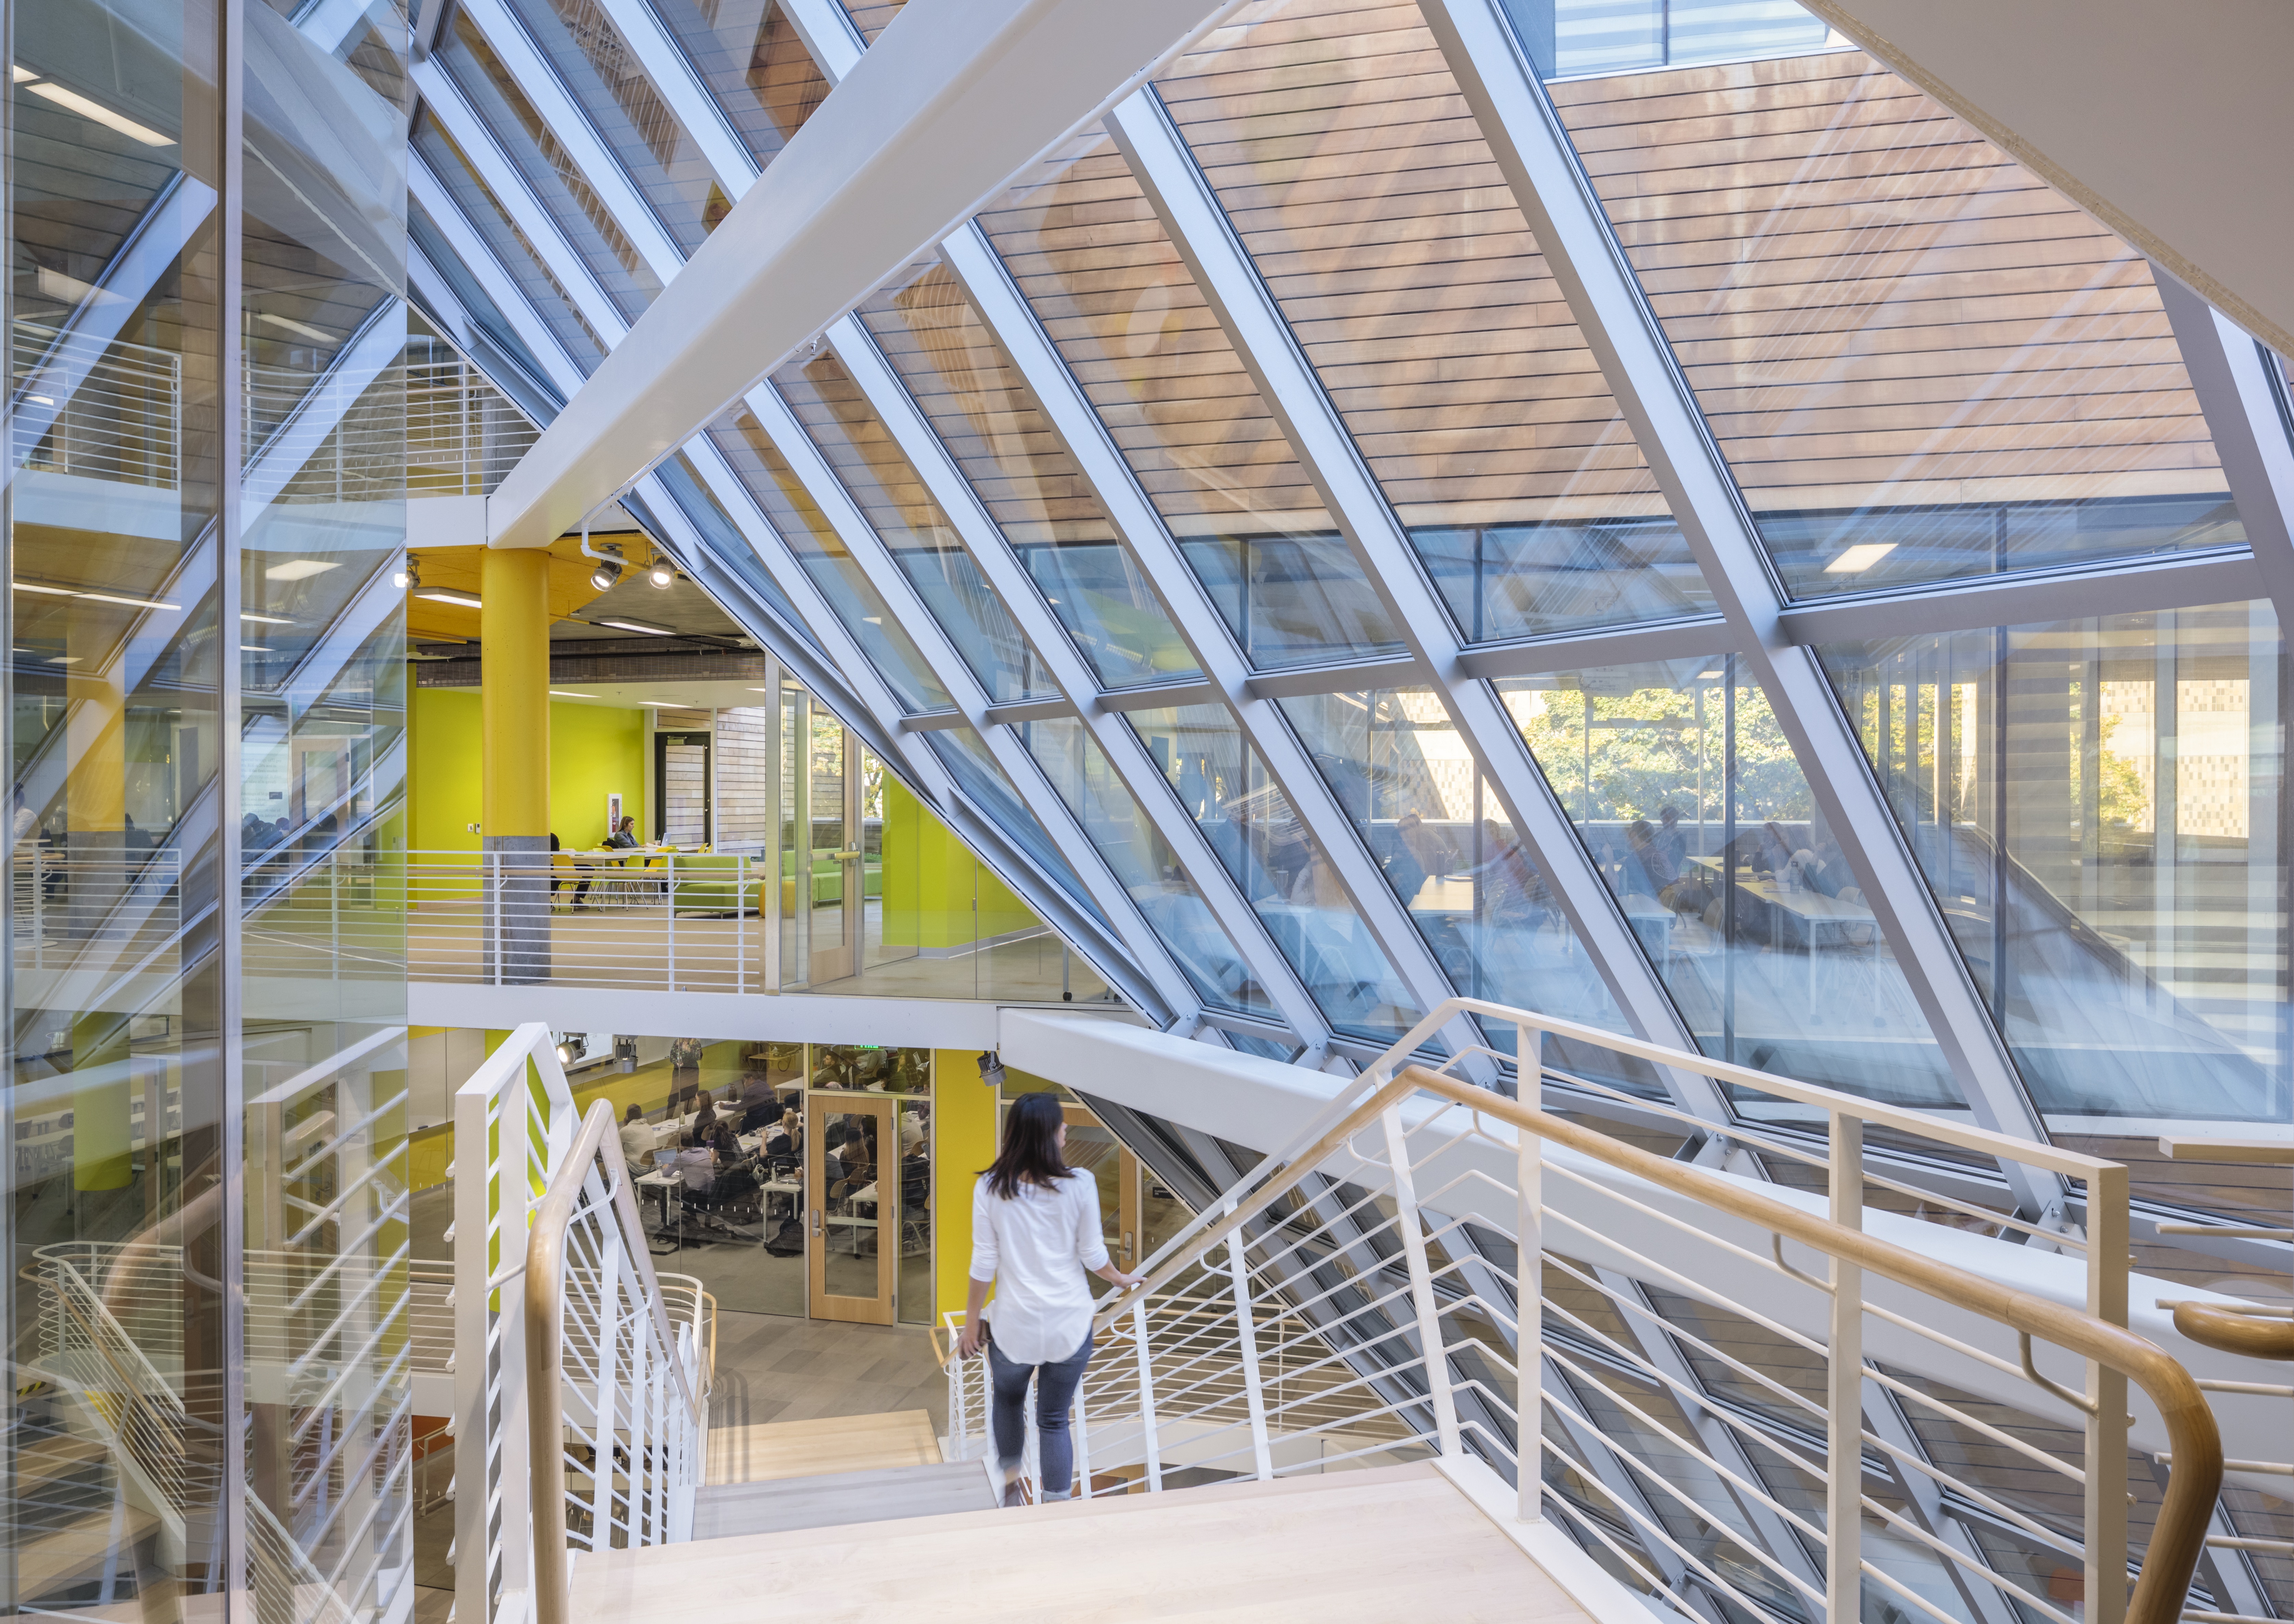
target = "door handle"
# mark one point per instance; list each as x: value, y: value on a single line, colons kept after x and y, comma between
x: 848, y: 855
x: 815, y: 1221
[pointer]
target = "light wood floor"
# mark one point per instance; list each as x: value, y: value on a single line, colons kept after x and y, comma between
x: 1397, y: 1543
x: 830, y: 1444
x: 771, y: 1368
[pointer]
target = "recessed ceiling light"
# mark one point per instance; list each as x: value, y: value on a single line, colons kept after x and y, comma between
x: 759, y: 690
x: 651, y: 631
x: 133, y: 602
x: 26, y: 586
x: 22, y: 72
x: 64, y: 660
x: 566, y: 693
x: 102, y: 115
x: 1708, y: 676
x: 872, y: 620
x: 1859, y: 557
x: 462, y: 600
x: 263, y: 620
x: 253, y: 648
x: 300, y: 329
x: 300, y: 569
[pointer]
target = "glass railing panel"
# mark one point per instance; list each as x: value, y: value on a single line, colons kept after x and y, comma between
x: 519, y: 260
x: 846, y: 430
x: 755, y: 64
x: 2096, y: 805
x: 1920, y: 363
x: 1281, y: 868
x: 808, y: 534
x: 1119, y: 829
x: 547, y: 167
x: 1345, y: 156
x: 583, y: 43
x: 1685, y: 795
x: 1023, y: 474
x: 1083, y: 243
x: 984, y: 783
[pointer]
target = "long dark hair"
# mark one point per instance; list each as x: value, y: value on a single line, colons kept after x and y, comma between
x: 1031, y: 1149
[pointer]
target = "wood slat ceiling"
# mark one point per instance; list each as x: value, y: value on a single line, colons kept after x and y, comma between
x: 1876, y: 306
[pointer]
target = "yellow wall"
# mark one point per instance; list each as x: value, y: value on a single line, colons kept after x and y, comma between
x: 592, y: 749
x: 964, y: 1142
x: 930, y: 878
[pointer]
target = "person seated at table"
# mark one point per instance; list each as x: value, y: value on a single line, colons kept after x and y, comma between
x: 637, y: 1139
x: 705, y: 1113
x: 696, y: 1165
x: 624, y: 834
x: 1648, y: 872
x: 857, y: 1156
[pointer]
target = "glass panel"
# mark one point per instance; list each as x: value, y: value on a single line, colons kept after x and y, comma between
x: 807, y: 532
x: 1680, y: 784
x: 609, y: 83
x: 1437, y: 830
x: 492, y: 224
x: 870, y: 1068
x: 117, y: 1100
x: 722, y: 537
x: 513, y: 367
x: 754, y: 63
x: 1248, y: 821
x: 2097, y: 806
x: 1120, y: 831
x: 1084, y: 246
x: 983, y: 783
x: 870, y: 16
x: 1354, y: 173
x: 1567, y: 38
x: 826, y: 938
x: 859, y: 448
x: 1921, y: 363
x: 548, y: 167
x: 993, y: 427
x: 851, y: 1150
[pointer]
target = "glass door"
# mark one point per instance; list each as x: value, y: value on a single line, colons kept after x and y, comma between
x: 1094, y: 1149
x: 852, y: 1220
x: 827, y: 885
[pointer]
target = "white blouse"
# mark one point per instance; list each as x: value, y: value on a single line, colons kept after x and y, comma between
x: 1036, y: 1248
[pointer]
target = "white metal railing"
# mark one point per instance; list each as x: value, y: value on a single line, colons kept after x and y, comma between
x: 1363, y: 1295
x: 617, y: 1401
x: 653, y: 921
x: 86, y: 912
x: 511, y: 1134
x: 100, y: 408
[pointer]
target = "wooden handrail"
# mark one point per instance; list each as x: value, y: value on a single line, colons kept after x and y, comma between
x: 2195, y: 1480
x: 545, y: 1307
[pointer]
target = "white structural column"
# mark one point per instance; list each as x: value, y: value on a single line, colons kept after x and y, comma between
x: 1262, y: 340
x: 2231, y: 376
x: 1582, y: 253
x: 929, y: 125
x: 1001, y: 568
x: 938, y: 649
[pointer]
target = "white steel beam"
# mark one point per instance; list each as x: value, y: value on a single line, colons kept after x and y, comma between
x: 1140, y: 778
x: 1533, y: 152
x: 1262, y: 340
x: 932, y: 122
x: 938, y: 647
x: 2230, y: 374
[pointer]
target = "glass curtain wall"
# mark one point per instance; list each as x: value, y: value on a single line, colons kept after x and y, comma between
x: 206, y: 511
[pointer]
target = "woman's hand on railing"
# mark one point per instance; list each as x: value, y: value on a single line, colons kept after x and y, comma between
x: 970, y: 1340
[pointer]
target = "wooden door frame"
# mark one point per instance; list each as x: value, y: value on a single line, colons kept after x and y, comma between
x: 819, y: 1304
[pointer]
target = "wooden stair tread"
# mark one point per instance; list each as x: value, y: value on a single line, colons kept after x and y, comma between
x: 825, y: 1445
x: 726, y: 1511
x: 1337, y: 1548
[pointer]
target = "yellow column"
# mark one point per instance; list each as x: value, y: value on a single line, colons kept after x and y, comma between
x: 95, y: 816
x: 513, y: 697
x: 963, y: 1141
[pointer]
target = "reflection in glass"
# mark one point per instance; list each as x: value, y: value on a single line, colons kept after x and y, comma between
x: 1122, y: 833
x: 2096, y: 805
x: 1682, y: 785
x: 1352, y: 169
x: 609, y: 82
x: 984, y: 785
x: 1920, y: 361
x: 1085, y: 248
x: 1249, y: 824
x: 848, y: 433
x: 1414, y: 794
x: 806, y: 530
x: 1568, y: 39
x: 754, y: 62
x: 1024, y: 476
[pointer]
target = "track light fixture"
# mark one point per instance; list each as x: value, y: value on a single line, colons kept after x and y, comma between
x: 608, y: 570
x: 409, y: 575
x: 662, y: 574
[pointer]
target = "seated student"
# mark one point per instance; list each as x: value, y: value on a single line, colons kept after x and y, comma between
x: 696, y: 1164
x: 637, y: 1140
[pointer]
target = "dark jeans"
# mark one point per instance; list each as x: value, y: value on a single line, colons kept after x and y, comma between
x: 1055, y: 1390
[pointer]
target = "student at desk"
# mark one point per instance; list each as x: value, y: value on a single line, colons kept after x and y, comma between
x: 637, y: 1140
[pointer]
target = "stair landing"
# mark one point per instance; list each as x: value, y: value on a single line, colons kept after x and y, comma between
x: 1349, y: 1548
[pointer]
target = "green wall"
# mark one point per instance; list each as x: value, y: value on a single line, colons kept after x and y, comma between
x: 929, y: 875
x: 592, y: 750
